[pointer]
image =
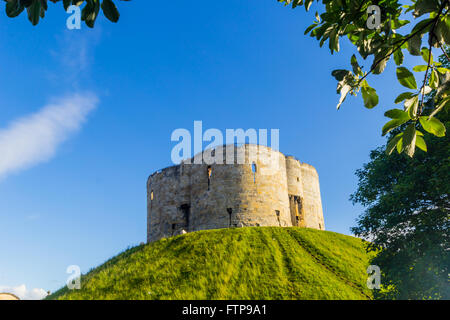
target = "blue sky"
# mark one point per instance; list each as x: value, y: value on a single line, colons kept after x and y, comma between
x: 77, y: 196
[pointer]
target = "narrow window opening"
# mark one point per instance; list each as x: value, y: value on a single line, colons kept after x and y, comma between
x: 320, y: 227
x: 209, y: 170
x: 186, y: 210
x: 254, y: 171
x: 230, y: 212
x: 277, y: 212
x: 298, y: 179
x: 151, y: 199
x: 173, y: 228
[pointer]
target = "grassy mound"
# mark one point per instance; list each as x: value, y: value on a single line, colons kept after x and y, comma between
x: 239, y: 263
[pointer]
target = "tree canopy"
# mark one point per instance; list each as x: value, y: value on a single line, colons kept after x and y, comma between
x: 407, y: 215
x: 380, y: 29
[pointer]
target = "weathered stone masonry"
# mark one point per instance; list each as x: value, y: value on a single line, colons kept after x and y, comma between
x: 261, y: 187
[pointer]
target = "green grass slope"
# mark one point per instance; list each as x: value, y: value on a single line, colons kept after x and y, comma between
x: 239, y: 263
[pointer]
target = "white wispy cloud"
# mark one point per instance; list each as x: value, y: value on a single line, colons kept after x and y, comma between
x: 23, y: 293
x: 35, y: 138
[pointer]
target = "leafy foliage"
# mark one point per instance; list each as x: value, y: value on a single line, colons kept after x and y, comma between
x: 349, y: 18
x: 36, y: 9
x: 239, y: 263
x: 407, y: 213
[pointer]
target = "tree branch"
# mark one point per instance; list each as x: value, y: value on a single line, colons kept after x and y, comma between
x: 406, y: 39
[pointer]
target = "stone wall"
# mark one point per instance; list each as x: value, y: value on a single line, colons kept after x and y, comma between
x: 260, y: 187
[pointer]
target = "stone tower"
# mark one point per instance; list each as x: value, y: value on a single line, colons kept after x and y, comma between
x: 246, y: 185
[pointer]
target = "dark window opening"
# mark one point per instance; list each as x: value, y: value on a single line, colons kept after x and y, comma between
x: 277, y: 212
x: 173, y: 227
x: 298, y: 179
x: 320, y: 227
x: 209, y: 170
x: 230, y: 212
x: 186, y: 210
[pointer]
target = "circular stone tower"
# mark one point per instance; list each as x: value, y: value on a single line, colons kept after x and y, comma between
x: 233, y: 186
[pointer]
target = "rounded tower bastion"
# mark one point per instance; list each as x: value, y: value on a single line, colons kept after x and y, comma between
x: 233, y: 186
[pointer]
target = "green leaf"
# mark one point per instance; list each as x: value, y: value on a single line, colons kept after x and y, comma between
x: 409, y: 139
x: 444, y: 29
x: 400, y: 146
x: 433, y: 126
x: 393, y: 143
x: 420, y: 68
x: 406, y: 78
x: 370, y: 97
x: 13, y: 8
x: 397, y: 24
x: 443, y: 90
x: 426, y: 55
x: 397, y: 114
x: 411, y: 106
x: 356, y: 68
x: 414, y: 44
x: 391, y: 125
x: 33, y: 12
x: 420, y: 143
x: 379, y: 62
x: 344, y: 91
x: 398, y: 57
x: 425, y: 6
x: 340, y: 74
x: 444, y: 104
x: 403, y: 96
x: 423, y: 26
x: 425, y: 90
x: 110, y: 10
x: 434, y: 79
x: 334, y: 40
x: 443, y: 70
x: 90, y: 12
x: 310, y: 28
x: 66, y: 4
